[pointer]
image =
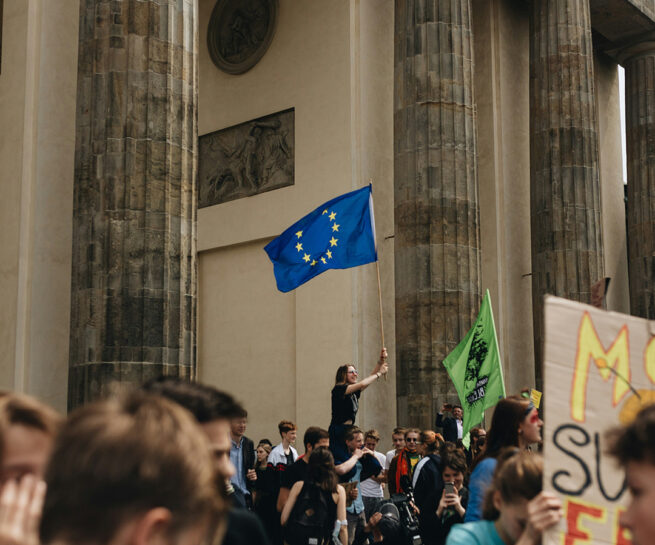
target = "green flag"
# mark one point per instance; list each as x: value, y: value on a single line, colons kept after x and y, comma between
x: 475, y: 369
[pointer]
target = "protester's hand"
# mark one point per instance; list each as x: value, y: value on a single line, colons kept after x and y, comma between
x: 354, y: 492
x: 374, y: 520
x: 366, y: 451
x: 372, y: 526
x: 359, y: 452
x: 442, y: 503
x: 251, y: 475
x: 384, y: 368
x: 454, y: 501
x: 20, y: 511
x: 383, y: 356
x: 544, y: 511
x: 416, y: 510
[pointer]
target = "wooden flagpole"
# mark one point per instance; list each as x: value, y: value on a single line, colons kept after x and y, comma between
x: 377, y: 269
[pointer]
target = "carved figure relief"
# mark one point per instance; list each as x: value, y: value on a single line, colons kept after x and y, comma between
x: 246, y: 159
x: 240, y: 32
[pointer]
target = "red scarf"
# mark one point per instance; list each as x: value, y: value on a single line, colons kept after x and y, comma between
x: 403, y: 468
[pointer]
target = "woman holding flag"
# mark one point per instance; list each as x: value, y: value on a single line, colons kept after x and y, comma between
x: 345, y: 401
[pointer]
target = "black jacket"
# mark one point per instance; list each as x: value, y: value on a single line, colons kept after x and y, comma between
x: 427, y: 493
x: 370, y: 468
x: 449, y: 426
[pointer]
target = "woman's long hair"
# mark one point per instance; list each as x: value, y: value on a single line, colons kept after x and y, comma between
x: 342, y: 372
x: 321, y: 469
x: 504, y: 431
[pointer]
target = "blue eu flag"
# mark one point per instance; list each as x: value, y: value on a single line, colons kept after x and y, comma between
x: 337, y: 235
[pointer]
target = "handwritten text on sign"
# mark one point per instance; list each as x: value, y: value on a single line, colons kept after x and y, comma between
x: 599, y: 369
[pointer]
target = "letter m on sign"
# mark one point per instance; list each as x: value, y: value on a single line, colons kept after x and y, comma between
x: 614, y: 361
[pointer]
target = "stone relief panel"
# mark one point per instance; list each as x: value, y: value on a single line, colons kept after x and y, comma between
x: 246, y: 159
x: 240, y: 32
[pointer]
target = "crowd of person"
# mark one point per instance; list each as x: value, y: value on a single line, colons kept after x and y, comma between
x: 170, y: 462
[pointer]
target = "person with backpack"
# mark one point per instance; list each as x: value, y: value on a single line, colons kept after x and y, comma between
x: 316, y: 504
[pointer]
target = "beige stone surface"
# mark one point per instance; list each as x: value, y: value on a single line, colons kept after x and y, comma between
x: 611, y: 183
x: 501, y: 38
x: 37, y: 99
x: 12, y: 111
x: 333, y: 63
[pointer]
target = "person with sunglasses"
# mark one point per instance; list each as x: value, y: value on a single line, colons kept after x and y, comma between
x: 515, y: 423
x: 345, y: 401
x: 405, y: 463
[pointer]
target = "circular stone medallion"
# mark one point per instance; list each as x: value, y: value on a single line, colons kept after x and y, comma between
x: 240, y: 32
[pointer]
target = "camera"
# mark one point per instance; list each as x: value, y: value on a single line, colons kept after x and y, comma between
x: 399, y: 525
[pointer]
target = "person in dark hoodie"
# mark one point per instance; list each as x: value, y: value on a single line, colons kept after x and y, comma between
x: 428, y: 489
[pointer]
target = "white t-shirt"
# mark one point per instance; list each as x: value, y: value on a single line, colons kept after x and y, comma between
x: 390, y: 456
x: 369, y: 487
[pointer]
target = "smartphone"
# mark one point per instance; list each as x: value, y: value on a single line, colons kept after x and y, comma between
x: 450, y: 488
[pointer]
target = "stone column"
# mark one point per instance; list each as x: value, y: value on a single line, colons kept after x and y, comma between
x: 639, y: 63
x: 133, y: 307
x: 437, y: 239
x: 567, y: 247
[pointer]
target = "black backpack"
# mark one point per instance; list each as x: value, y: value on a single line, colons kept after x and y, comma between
x: 312, y: 518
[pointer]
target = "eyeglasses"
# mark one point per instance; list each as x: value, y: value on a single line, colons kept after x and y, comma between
x: 353, y: 372
x: 412, y: 440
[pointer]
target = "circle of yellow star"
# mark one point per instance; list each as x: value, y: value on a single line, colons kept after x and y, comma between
x: 333, y: 241
x: 332, y: 216
x: 329, y: 254
x: 335, y: 227
x: 299, y: 246
x: 306, y: 258
x: 299, y: 234
x: 323, y: 260
x: 313, y: 263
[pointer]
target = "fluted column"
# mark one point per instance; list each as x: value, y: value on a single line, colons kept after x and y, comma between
x: 133, y: 302
x: 639, y: 63
x: 567, y: 248
x: 437, y: 239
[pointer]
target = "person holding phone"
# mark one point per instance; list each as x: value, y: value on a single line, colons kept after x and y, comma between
x: 454, y: 499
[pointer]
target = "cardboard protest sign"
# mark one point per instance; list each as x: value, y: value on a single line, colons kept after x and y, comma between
x: 599, y: 369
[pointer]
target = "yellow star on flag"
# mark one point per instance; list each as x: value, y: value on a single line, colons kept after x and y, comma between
x: 332, y: 216
x: 306, y: 258
x: 299, y: 246
x: 299, y: 234
x: 335, y: 227
x: 329, y: 254
x: 333, y: 241
x: 324, y: 211
x: 323, y: 260
x: 313, y: 262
